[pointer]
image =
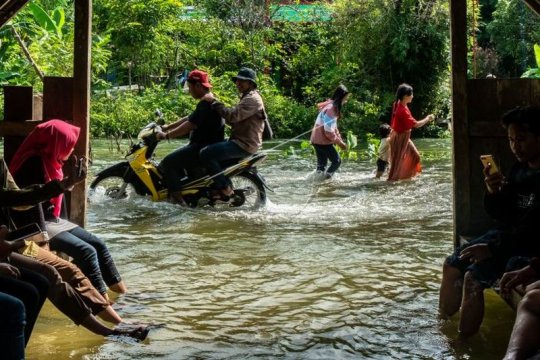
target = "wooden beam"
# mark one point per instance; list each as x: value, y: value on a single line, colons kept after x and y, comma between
x: 9, y: 9
x: 11, y: 128
x: 534, y: 5
x: 58, y: 98
x: 81, y: 98
x: 460, y: 138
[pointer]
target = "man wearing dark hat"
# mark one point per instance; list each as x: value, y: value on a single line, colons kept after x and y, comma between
x: 247, y: 121
x: 204, y: 126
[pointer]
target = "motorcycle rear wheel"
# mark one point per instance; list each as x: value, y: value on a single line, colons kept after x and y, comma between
x: 249, y: 191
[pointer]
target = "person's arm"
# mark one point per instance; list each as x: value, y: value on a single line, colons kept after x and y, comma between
x: 424, y: 121
x: 182, y: 130
x: 172, y: 126
x: 31, y: 195
x: 246, y: 108
x: 13, y: 196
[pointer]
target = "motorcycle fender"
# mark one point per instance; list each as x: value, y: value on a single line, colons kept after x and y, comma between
x: 120, y: 168
x: 254, y: 172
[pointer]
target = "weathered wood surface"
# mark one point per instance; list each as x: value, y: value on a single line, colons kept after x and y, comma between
x: 460, y: 141
x: 81, y: 99
x: 9, y: 8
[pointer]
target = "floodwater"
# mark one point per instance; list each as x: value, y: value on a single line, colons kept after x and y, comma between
x: 343, y: 270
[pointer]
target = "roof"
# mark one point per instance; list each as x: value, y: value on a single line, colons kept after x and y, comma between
x: 8, y: 9
x: 301, y: 13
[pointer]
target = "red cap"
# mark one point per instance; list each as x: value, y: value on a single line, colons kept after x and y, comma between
x: 200, y: 77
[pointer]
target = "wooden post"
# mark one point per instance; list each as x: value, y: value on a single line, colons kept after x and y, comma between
x: 81, y: 98
x: 460, y: 123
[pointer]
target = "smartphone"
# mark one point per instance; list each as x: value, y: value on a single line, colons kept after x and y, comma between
x: 23, y: 232
x: 487, y: 160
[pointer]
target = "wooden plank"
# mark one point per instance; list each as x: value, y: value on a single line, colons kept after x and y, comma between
x: 9, y: 9
x: 534, y: 5
x: 512, y: 93
x: 18, y: 105
x: 482, y: 100
x: 81, y: 99
x: 58, y: 98
x: 21, y: 129
x: 535, y: 91
x: 490, y: 129
x: 460, y: 138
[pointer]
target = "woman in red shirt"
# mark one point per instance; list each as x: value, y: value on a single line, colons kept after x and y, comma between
x: 404, y: 158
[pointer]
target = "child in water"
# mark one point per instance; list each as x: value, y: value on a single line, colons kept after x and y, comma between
x: 384, y: 150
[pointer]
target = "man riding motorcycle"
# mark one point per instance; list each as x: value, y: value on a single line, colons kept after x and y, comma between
x: 247, y: 120
x: 205, y: 127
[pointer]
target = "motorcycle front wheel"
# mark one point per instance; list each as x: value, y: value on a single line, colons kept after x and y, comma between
x: 111, y: 188
x: 249, y: 191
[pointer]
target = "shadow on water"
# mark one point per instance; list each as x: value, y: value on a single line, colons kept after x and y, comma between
x: 344, y: 269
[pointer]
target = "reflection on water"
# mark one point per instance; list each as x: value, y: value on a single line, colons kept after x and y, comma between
x: 346, y: 269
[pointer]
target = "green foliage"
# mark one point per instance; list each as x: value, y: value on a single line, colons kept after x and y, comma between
x: 514, y: 30
x: 534, y: 72
x: 352, y: 142
x: 123, y: 114
x: 46, y: 27
x: 373, y: 143
x: 394, y: 42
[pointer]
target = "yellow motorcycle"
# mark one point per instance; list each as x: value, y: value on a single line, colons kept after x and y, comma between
x: 141, y: 175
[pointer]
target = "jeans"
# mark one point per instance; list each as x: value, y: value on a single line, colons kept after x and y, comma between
x: 90, y: 254
x: 12, y: 321
x: 31, y: 290
x: 212, y: 155
x: 325, y: 153
x: 175, y: 164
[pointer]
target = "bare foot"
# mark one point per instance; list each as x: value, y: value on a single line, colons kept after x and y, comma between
x: 119, y: 287
x: 138, y: 332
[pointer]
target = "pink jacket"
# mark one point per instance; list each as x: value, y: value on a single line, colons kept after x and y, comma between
x: 325, y: 131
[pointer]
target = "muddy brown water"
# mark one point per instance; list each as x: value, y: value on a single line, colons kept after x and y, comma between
x: 343, y: 270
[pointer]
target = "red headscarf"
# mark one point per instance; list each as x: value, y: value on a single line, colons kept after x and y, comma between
x: 52, y: 141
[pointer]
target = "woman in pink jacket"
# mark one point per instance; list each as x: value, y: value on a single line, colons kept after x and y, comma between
x: 325, y: 133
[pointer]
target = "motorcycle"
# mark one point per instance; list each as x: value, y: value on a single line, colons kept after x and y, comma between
x: 141, y: 175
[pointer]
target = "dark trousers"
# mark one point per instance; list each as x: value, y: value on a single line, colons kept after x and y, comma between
x: 325, y: 153
x: 175, y: 164
x: 90, y: 254
x: 17, y: 320
x: 212, y: 155
x: 61, y: 294
x: 12, y: 321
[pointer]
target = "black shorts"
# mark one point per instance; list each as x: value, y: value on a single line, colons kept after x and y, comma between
x: 381, y: 165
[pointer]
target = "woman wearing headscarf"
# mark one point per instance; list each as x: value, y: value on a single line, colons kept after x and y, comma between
x: 39, y: 159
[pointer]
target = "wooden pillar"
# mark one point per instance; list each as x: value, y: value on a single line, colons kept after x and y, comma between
x: 460, y: 123
x: 81, y: 98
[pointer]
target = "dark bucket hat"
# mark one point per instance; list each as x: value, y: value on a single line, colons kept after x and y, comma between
x: 246, y: 73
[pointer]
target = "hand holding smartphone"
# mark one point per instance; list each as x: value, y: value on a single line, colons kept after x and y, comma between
x: 493, y: 177
x: 487, y: 161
